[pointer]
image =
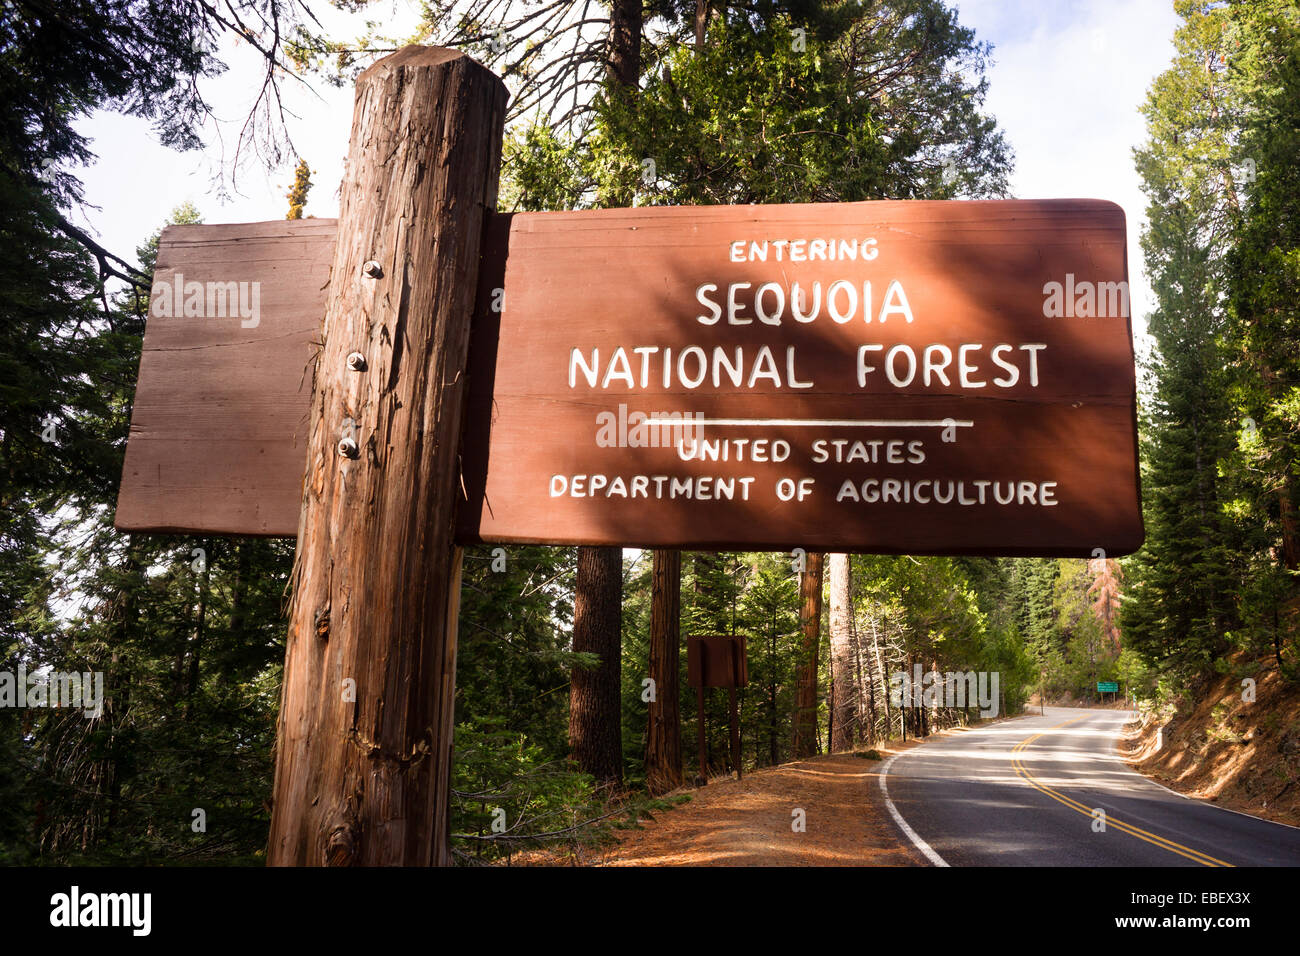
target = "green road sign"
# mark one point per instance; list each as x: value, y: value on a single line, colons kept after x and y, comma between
x: 1107, y: 687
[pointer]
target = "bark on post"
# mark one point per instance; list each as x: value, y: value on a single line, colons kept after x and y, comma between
x: 363, y: 751
x: 595, y: 704
x: 805, y: 718
x: 663, y: 757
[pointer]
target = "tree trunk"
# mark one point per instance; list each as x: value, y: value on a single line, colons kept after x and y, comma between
x: 239, y: 589
x: 805, y: 720
x: 844, y: 694
x: 701, y: 23
x: 867, y: 679
x: 773, y: 744
x: 937, y: 713
x: 200, y: 633
x: 1287, y: 519
x: 625, y: 42
x: 595, y: 727
x: 880, y: 672
x: 365, y: 732
x: 663, y: 755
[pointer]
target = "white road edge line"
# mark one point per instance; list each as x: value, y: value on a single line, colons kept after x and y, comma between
x: 912, y: 835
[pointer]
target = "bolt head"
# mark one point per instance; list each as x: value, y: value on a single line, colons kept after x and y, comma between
x: 356, y: 362
x: 348, y: 448
x: 373, y: 269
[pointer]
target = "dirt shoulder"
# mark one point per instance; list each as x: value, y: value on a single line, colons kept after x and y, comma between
x: 749, y: 822
x: 1234, y: 753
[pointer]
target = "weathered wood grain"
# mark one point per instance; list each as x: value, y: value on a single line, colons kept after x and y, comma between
x: 364, y: 744
x: 973, y: 272
x: 600, y: 279
x: 218, y: 428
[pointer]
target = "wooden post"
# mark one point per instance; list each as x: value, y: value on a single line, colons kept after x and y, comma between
x: 733, y: 721
x: 704, y: 750
x: 364, y: 746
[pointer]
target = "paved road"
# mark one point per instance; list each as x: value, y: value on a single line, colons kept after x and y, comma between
x: 1022, y: 793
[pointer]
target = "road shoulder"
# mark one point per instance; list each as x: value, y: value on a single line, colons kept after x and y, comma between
x: 756, y: 821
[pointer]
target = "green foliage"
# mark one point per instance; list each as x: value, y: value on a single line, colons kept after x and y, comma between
x: 1088, y: 658
x: 297, y: 194
x: 754, y: 118
x: 543, y: 170
x: 1263, y: 339
x: 1219, y: 447
x: 866, y: 105
x: 508, y: 794
x: 769, y: 618
x: 512, y: 658
x: 955, y: 614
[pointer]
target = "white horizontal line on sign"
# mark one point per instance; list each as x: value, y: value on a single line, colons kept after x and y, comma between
x: 829, y: 422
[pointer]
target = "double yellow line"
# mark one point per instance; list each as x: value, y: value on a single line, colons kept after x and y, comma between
x: 1165, y: 844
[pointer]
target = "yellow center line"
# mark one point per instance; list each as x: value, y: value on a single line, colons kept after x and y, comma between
x: 1156, y: 840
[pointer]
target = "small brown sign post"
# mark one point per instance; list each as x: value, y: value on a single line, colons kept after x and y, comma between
x: 718, y: 660
x: 879, y: 377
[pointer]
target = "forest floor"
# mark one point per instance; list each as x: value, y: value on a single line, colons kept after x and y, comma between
x: 750, y: 822
x: 1236, y: 754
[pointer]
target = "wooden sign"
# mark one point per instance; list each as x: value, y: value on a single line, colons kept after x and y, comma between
x: 717, y: 660
x: 888, y: 377
x: 219, y: 424
x: 919, y: 377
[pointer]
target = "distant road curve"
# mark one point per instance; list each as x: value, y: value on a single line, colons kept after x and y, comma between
x: 1023, y: 792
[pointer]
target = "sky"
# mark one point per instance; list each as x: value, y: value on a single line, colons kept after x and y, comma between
x: 1067, y: 79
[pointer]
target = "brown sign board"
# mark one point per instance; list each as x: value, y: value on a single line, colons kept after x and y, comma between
x: 889, y: 377
x: 717, y: 660
x: 218, y: 428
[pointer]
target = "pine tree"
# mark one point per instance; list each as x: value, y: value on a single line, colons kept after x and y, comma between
x: 1262, y: 338
x: 1180, y: 602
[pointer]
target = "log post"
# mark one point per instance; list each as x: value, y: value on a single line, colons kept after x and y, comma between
x: 364, y: 739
